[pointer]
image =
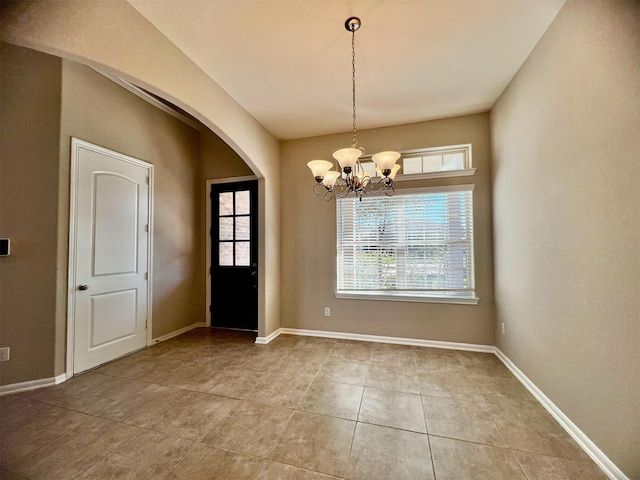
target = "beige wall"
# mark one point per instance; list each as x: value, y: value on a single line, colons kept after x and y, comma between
x: 29, y: 152
x: 99, y: 111
x: 113, y: 36
x: 309, y: 231
x: 566, y: 172
x: 45, y: 102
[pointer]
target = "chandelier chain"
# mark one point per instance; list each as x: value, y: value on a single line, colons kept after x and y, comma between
x: 353, y: 82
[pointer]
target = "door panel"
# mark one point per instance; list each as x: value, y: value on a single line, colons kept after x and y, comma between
x: 112, y: 199
x: 234, y: 255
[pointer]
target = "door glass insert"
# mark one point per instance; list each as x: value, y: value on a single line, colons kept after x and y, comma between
x: 243, y: 206
x: 226, y: 203
x: 243, y: 255
x: 234, y: 231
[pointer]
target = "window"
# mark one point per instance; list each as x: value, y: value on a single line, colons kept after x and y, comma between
x: 416, y: 245
x: 450, y: 161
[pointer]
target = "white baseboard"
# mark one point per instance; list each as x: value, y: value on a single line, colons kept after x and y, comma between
x: 268, y: 338
x: 607, y: 466
x: 32, y: 385
x: 394, y: 340
x: 166, y: 337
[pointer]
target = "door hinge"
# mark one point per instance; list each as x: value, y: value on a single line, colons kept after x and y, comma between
x: 147, y: 180
x: 146, y: 275
x: 210, y: 270
x: 146, y: 228
x: 210, y: 308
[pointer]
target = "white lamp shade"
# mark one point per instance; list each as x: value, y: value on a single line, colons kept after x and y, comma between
x: 392, y: 175
x: 385, y: 160
x: 319, y: 168
x: 330, y: 178
x: 347, y: 157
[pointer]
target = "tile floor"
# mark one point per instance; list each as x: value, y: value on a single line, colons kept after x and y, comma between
x: 211, y: 404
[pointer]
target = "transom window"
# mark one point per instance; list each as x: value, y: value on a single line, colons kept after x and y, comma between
x: 416, y: 245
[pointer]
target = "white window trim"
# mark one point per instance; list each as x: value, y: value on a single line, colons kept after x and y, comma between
x: 417, y: 298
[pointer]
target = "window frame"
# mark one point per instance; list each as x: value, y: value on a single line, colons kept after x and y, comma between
x: 403, y: 297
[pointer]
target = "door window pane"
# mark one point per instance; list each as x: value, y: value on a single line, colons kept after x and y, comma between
x: 242, y: 203
x: 226, y: 203
x: 225, y: 253
x: 243, y: 231
x: 226, y: 228
x: 243, y: 257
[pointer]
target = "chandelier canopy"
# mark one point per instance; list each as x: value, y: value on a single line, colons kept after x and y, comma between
x: 353, y: 178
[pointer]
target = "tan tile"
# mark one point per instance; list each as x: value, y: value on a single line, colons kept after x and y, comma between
x: 204, y: 462
x: 393, y: 378
x: 392, y: 409
x: 506, y: 388
x: 462, y: 420
x: 474, y: 359
x: 250, y: 428
x: 43, y: 426
x: 352, y: 351
x: 281, y: 390
x: 232, y: 382
x: 104, y: 396
x: 458, y: 385
x: 316, y: 442
x: 280, y: 471
x: 382, y: 453
x: 394, y: 355
x: 456, y: 460
x: 147, y: 455
x: 151, y: 401
x: 537, y: 432
x: 344, y: 371
x: 491, y: 370
x: 191, y: 415
x: 74, y: 452
x: 539, y: 467
x: 437, y: 360
x: 332, y: 398
x: 10, y: 476
x: 299, y: 364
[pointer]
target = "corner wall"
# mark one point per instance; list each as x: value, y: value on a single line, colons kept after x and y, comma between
x: 566, y: 193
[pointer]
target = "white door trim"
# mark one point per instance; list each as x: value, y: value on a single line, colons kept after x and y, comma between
x: 207, y: 202
x: 76, y: 145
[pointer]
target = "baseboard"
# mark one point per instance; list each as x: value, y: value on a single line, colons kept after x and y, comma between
x: 394, y: 340
x: 268, y: 338
x: 168, y: 336
x: 607, y: 466
x: 32, y: 385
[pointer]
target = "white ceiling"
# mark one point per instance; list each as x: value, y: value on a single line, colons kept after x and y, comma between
x: 288, y: 62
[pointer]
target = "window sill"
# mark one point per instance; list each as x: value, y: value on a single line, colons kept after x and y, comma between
x: 406, y: 298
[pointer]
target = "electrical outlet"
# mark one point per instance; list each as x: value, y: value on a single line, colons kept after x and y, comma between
x: 4, y: 354
x: 327, y: 311
x: 504, y: 329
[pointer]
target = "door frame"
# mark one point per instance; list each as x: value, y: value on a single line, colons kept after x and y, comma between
x: 218, y: 181
x: 76, y: 145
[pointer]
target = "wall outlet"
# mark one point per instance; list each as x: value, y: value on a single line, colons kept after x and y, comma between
x: 504, y: 329
x: 327, y: 311
x: 4, y: 354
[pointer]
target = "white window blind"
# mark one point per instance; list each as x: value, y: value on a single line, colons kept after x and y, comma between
x: 415, y: 243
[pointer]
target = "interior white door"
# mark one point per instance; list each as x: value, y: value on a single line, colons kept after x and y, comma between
x: 112, y: 204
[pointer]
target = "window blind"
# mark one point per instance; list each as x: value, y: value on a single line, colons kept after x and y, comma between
x: 410, y: 244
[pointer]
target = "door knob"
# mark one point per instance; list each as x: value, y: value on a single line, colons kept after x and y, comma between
x: 83, y: 287
x: 254, y: 273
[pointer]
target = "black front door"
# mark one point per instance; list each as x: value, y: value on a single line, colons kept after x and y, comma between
x: 234, y: 255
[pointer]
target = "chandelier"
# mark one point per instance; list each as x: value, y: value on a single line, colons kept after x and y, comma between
x: 353, y: 178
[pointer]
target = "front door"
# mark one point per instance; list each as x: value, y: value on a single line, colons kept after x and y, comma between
x: 234, y: 255
x: 109, y: 264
